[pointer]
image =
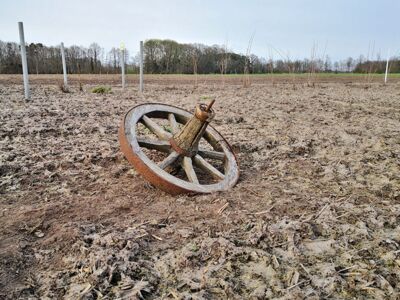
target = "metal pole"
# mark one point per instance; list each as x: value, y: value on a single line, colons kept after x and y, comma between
x: 387, y: 67
x: 141, y: 68
x: 64, y: 65
x: 24, y: 62
x: 123, y: 67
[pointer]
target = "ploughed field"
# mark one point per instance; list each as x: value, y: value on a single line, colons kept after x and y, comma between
x: 315, y: 214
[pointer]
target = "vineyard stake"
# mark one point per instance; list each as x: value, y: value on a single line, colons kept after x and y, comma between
x: 141, y: 68
x: 24, y: 61
x: 387, y: 66
x: 64, y: 65
x: 123, y: 65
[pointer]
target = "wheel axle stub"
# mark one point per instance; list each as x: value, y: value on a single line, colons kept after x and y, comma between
x: 186, y: 141
x: 177, y: 151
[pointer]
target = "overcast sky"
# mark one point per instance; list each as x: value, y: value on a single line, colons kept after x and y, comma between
x: 344, y: 27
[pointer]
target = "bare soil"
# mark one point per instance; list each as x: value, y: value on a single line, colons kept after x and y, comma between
x: 316, y: 212
x: 215, y: 80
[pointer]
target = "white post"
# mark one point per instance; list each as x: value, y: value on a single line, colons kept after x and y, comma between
x: 64, y: 65
x: 141, y: 68
x: 24, y: 62
x: 387, y: 67
x: 123, y: 66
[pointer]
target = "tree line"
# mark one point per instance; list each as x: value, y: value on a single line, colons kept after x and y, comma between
x: 171, y: 57
x: 47, y: 59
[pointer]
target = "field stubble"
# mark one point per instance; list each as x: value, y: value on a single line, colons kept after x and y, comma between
x: 316, y: 212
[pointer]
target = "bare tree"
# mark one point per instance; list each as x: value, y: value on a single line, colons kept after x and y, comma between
x: 246, y: 71
x: 370, y: 54
x: 195, y: 53
x: 166, y: 56
x: 313, y: 66
x: 349, y: 64
x: 94, y: 53
x: 327, y: 64
x: 223, y: 61
x: 286, y: 63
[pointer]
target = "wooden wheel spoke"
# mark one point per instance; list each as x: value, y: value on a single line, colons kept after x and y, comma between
x: 170, y: 159
x: 189, y: 170
x: 206, y: 166
x: 173, y: 123
x: 162, y: 146
x: 212, y: 154
x: 212, y: 141
x: 156, y: 129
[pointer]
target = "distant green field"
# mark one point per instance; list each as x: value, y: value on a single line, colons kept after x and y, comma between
x: 295, y: 74
x: 301, y: 75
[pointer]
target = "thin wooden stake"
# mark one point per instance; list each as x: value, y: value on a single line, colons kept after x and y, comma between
x: 387, y: 66
x: 123, y: 66
x: 141, y: 68
x: 24, y: 61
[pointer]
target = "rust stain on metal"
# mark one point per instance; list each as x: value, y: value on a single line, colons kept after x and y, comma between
x: 178, y: 149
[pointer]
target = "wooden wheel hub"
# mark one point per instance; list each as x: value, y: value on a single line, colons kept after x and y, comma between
x: 186, y: 141
x: 178, y: 151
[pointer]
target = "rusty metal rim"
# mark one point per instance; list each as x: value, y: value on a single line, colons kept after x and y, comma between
x: 146, y: 168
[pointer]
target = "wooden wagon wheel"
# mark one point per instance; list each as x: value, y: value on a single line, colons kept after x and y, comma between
x: 176, y: 150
